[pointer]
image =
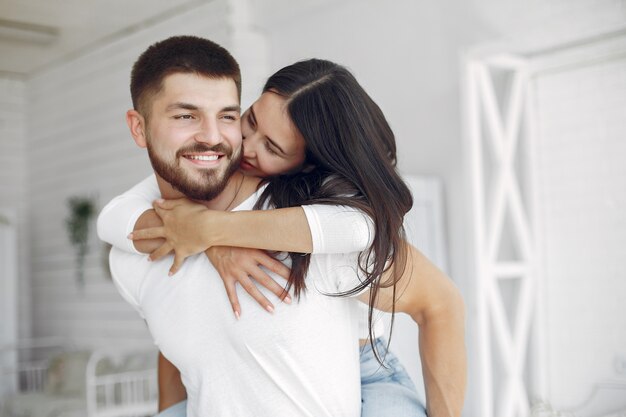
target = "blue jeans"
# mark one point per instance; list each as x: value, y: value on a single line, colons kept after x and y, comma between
x: 387, y: 391
x: 384, y: 391
x: 177, y: 410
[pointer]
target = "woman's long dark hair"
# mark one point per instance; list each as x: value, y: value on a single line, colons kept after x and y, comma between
x: 352, y: 151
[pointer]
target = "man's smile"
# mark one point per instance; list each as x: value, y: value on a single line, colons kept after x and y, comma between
x: 208, y: 159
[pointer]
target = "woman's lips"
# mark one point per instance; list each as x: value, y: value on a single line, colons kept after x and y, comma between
x: 246, y: 166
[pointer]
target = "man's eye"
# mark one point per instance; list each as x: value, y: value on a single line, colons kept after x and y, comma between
x: 229, y: 117
x: 183, y: 117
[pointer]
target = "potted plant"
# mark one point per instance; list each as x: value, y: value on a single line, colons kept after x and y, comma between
x: 82, y: 210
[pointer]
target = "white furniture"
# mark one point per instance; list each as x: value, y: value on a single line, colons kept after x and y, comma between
x: 79, y: 382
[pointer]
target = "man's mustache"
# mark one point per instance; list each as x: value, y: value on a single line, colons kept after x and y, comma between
x: 201, y: 147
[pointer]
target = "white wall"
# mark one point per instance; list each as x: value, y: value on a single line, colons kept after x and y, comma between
x: 13, y: 185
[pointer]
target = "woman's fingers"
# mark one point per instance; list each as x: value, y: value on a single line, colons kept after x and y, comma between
x: 273, y: 265
x: 150, y: 233
x: 167, y: 204
x: 247, y: 284
x: 231, y: 291
x: 178, y: 262
x: 265, y: 280
x: 244, y: 266
x: 163, y: 250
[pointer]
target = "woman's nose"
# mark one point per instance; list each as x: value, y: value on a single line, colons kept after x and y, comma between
x: 249, y: 147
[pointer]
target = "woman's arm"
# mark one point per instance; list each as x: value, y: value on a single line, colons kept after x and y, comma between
x: 436, y: 305
x: 191, y: 228
x: 308, y: 229
x: 171, y: 388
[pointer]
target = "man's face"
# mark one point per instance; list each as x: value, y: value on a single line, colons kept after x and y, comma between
x: 193, y: 134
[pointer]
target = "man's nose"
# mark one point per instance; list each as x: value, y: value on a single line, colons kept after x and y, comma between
x: 209, y: 133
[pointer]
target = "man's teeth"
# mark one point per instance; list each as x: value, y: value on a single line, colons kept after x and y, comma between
x: 204, y: 157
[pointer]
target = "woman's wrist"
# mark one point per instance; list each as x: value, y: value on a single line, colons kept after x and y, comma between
x: 211, y: 254
x: 215, y: 227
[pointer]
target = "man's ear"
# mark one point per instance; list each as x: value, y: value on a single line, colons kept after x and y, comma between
x: 137, y: 125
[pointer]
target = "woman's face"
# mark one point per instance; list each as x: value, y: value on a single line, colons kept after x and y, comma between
x: 271, y: 143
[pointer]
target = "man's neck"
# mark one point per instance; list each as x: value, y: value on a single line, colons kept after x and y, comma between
x: 237, y: 190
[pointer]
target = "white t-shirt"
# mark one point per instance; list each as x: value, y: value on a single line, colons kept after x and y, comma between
x: 302, y: 360
x: 334, y: 229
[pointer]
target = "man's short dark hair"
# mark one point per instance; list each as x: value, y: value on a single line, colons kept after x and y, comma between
x: 179, y: 54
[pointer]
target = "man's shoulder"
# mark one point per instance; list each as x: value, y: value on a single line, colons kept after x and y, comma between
x: 129, y: 271
x: 123, y: 263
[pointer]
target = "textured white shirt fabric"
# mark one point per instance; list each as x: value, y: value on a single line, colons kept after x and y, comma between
x: 302, y: 360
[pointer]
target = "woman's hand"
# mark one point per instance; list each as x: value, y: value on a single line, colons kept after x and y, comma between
x: 186, y: 230
x: 241, y: 265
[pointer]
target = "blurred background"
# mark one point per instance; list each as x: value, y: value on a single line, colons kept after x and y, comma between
x: 514, y: 110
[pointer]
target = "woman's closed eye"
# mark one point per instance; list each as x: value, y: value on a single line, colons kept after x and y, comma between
x: 269, y: 148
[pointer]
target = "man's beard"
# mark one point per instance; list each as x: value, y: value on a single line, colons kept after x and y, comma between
x: 211, y: 182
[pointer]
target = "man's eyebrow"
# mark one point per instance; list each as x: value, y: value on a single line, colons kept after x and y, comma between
x: 267, y: 137
x: 232, y: 108
x: 189, y: 106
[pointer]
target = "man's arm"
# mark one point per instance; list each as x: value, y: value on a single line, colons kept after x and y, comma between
x: 171, y: 388
x: 118, y: 217
x: 436, y: 305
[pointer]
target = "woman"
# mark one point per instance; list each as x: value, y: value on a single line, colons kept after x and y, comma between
x: 312, y: 131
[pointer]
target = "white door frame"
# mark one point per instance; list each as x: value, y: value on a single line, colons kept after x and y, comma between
x: 8, y: 298
x: 500, y: 129
x: 495, y: 128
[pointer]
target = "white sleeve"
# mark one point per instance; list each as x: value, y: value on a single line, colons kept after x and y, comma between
x: 334, y: 273
x: 117, y: 219
x: 338, y: 229
x: 128, y: 272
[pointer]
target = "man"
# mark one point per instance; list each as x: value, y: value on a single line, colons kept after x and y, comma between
x: 303, y: 361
